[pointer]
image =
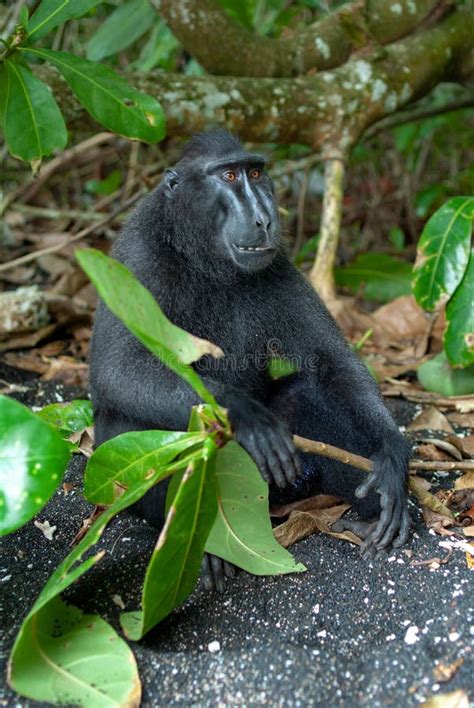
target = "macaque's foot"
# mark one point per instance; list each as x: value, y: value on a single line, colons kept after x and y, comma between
x: 215, y: 572
x: 364, y: 530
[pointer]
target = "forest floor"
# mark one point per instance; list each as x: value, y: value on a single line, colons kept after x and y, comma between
x: 346, y: 633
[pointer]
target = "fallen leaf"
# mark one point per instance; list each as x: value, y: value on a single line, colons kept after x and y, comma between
x: 402, y: 318
x: 304, y: 523
x: 319, y: 501
x: 466, y: 481
x: 446, y: 446
x: 464, y: 420
x: 431, y: 419
x: 469, y: 531
x: 455, y: 699
x: 438, y: 522
x: 444, y: 672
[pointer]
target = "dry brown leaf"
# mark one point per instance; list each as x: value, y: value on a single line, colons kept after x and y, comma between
x: 429, y: 452
x: 469, y: 531
x: 444, y: 672
x: 402, y: 318
x: 469, y: 560
x: 446, y: 446
x: 68, y: 371
x: 431, y: 419
x: 27, y: 341
x: 438, y: 522
x: 27, y: 362
x: 304, y: 523
x: 464, y: 420
x: 319, y: 501
x: 467, y: 444
x: 466, y: 481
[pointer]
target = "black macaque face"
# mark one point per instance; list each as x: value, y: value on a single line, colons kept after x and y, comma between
x: 232, y: 197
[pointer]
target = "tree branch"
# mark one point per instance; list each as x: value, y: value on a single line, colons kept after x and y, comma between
x: 324, y: 45
x: 328, y: 111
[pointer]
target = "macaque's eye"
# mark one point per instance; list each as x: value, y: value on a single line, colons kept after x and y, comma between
x: 229, y: 176
x: 255, y: 173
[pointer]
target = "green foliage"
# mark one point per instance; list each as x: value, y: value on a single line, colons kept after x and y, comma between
x: 139, y: 311
x: 174, y: 566
x: 279, y: 368
x: 29, y: 115
x: 459, y: 334
x: 381, y: 277
x: 33, y: 457
x: 107, y: 97
x: 444, y: 274
x: 443, y: 253
x: 105, y: 186
x: 68, y: 418
x: 397, y: 238
x: 125, y: 25
x: 53, y: 662
x: 33, y: 123
x: 52, y: 13
x: 128, y: 459
x: 242, y: 533
x: 437, y: 375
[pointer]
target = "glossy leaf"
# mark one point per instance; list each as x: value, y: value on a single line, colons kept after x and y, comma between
x: 107, y: 97
x: 459, y: 334
x: 443, y: 253
x: 52, y: 13
x: 54, y: 662
x: 379, y: 276
x: 141, y: 314
x: 125, y: 25
x: 242, y: 532
x: 33, y: 458
x: 68, y: 418
x: 67, y: 572
x: 437, y: 375
x: 34, y: 126
x: 174, y: 567
x: 128, y: 458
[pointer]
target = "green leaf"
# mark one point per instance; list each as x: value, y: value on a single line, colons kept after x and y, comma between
x: 34, y: 126
x: 52, y: 13
x: 443, y: 253
x: 382, y: 277
x: 397, y: 238
x: 33, y: 458
x: 459, y: 334
x: 53, y: 661
x: 4, y: 81
x: 429, y: 197
x: 128, y: 458
x: 174, y: 567
x: 438, y: 376
x: 67, y: 572
x: 160, y: 49
x: 242, y: 533
x: 279, y: 368
x: 105, y: 186
x: 141, y: 314
x: 108, y: 98
x: 126, y: 24
x: 68, y: 418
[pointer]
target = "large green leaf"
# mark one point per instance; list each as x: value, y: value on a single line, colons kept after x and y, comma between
x: 443, y: 253
x: 33, y: 458
x: 381, y: 277
x: 127, y: 459
x: 33, y: 123
x: 68, y: 418
x: 126, y: 24
x: 242, y: 533
x: 52, y: 13
x: 459, y: 334
x: 66, y: 573
x: 108, y: 98
x: 53, y: 661
x: 126, y: 297
x: 174, y: 567
x: 437, y: 375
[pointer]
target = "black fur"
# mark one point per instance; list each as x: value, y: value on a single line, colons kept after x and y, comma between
x: 184, y: 244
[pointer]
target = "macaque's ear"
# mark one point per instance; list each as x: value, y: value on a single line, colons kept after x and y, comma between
x: 171, y: 182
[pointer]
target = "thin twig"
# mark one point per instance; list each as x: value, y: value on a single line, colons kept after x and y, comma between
x: 363, y: 463
x: 82, y: 234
